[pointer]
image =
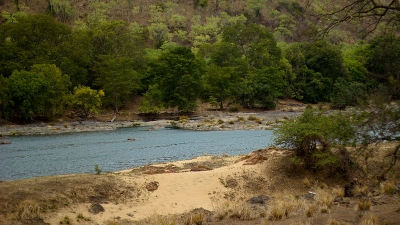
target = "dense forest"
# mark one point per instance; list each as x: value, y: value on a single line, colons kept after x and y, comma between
x: 81, y: 55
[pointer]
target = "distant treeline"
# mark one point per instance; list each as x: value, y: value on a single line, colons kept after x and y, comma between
x: 47, y: 67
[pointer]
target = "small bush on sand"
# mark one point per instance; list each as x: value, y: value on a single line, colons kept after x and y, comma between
x: 28, y: 210
x: 97, y: 170
x: 240, y: 119
x: 65, y: 220
x: 252, y: 118
x: 80, y: 216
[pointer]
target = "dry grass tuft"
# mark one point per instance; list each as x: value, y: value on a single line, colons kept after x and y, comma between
x: 282, y: 206
x: 324, y: 198
x: 310, y: 210
x: 324, y: 209
x: 388, y: 187
x: 197, y: 218
x: 307, y: 183
x: 222, y: 210
x: 361, y: 190
x: 364, y: 205
x: 226, y: 209
x: 243, y: 212
x: 371, y: 220
x: 338, y: 191
x: 335, y: 222
x: 28, y: 210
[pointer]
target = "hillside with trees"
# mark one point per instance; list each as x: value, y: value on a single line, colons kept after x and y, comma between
x: 247, y: 53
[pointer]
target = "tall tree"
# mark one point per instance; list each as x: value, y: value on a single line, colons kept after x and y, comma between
x: 34, y: 39
x: 177, y: 73
x: 118, y: 79
x: 39, y: 92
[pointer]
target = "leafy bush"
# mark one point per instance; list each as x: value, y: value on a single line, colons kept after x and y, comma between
x: 313, y: 134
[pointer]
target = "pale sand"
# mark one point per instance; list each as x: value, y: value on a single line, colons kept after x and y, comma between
x: 177, y: 193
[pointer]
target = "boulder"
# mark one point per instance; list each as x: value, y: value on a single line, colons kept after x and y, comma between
x: 5, y: 142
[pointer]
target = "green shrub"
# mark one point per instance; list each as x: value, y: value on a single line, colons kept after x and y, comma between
x: 97, y: 170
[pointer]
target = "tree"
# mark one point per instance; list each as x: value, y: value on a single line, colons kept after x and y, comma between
x: 371, y: 12
x: 85, y: 100
x: 262, y: 87
x: 58, y: 88
x: 118, y: 79
x: 177, y: 73
x: 152, y: 102
x: 348, y: 93
x: 383, y: 62
x: 255, y: 42
x: 256, y: 5
x: 313, y: 135
x: 39, y: 92
x: 3, y: 97
x: 218, y: 84
x: 62, y: 9
x: 34, y: 39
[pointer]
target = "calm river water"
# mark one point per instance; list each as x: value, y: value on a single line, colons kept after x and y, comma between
x: 33, y: 156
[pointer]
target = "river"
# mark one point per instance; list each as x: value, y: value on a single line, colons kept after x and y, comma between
x: 33, y: 156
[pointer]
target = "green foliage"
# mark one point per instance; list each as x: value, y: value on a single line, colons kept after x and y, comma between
x: 34, y: 39
x: 62, y: 9
x: 313, y: 134
x: 37, y: 93
x: 384, y: 62
x: 347, y: 93
x: 97, y: 170
x: 256, y: 5
x: 85, y: 100
x: 262, y: 87
x: 152, y: 101
x: 177, y: 73
x: 118, y: 80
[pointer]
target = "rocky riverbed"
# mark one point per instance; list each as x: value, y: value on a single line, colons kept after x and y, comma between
x: 214, y: 121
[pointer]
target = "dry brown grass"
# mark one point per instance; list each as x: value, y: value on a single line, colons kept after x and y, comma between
x: 370, y: 220
x: 28, y: 210
x: 306, y: 182
x: 30, y: 197
x: 388, y: 187
x: 310, y: 210
x: 323, y: 197
x: 231, y: 209
x: 361, y: 190
x: 282, y: 206
x: 335, y: 222
x: 338, y: 191
x: 364, y: 205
